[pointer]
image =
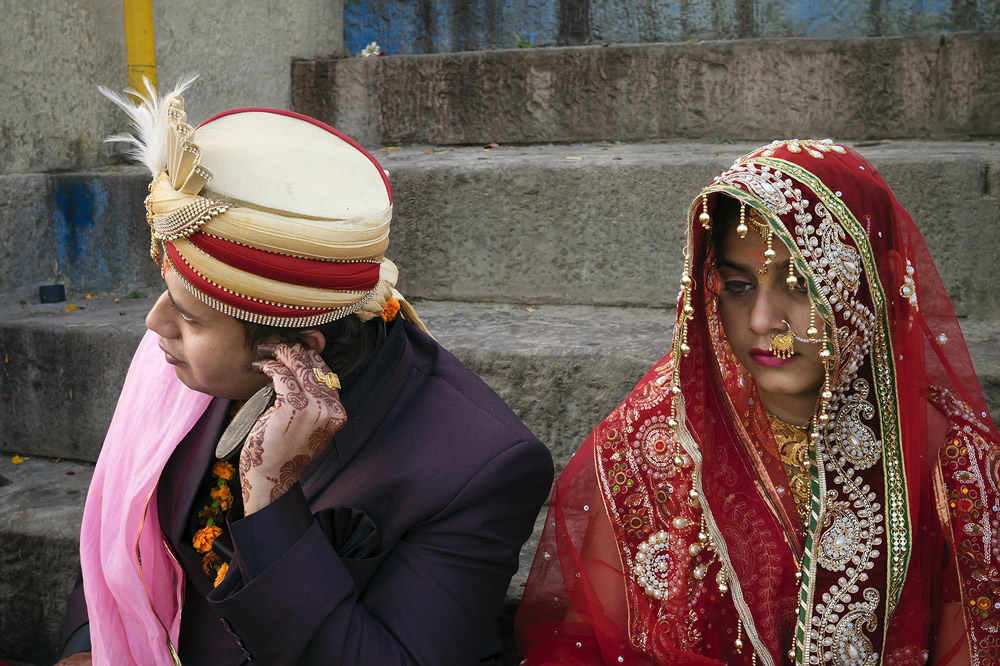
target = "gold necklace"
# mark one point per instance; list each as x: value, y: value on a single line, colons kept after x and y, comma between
x: 793, y: 449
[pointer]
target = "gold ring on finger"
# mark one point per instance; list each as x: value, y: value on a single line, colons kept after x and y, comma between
x: 327, y: 379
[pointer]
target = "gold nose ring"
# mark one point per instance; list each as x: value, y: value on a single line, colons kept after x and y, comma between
x: 783, y: 344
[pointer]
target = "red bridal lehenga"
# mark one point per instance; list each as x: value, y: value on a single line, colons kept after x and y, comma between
x: 674, y: 535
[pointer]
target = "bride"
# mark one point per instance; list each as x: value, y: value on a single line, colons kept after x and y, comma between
x: 810, y: 475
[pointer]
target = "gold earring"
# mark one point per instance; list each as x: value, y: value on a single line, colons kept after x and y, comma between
x: 822, y: 417
x: 783, y: 344
x: 704, y: 217
x: 811, y: 332
x: 792, y: 281
x: 769, y: 252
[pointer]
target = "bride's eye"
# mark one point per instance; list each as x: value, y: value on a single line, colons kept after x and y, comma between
x: 737, y: 287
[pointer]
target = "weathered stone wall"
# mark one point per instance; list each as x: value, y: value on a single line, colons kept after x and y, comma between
x: 440, y: 26
x: 53, y: 54
x: 52, y: 119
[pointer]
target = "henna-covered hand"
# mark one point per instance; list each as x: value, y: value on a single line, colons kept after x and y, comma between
x: 296, y: 429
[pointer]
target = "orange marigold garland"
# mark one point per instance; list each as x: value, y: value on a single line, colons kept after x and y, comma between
x: 390, y: 309
x: 222, y: 574
x: 210, y: 517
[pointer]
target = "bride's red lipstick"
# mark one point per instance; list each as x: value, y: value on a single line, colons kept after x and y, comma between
x: 765, y: 358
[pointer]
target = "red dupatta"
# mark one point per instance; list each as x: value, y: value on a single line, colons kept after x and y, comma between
x: 668, y: 540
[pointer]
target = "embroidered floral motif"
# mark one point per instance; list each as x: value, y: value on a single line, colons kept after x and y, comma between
x: 908, y: 290
x: 855, y: 440
x: 657, y: 444
x: 850, y: 645
x: 811, y: 147
x: 619, y: 478
x: 639, y: 446
x: 637, y: 518
x: 976, y: 546
x: 652, y: 568
x: 842, y: 535
x: 651, y: 394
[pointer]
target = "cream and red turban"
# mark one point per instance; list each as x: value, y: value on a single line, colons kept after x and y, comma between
x: 266, y: 215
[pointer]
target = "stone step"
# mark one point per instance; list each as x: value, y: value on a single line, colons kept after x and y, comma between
x: 560, y: 368
x: 932, y: 86
x: 594, y: 224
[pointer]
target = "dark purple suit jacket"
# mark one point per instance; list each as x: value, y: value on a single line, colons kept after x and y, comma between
x: 438, y: 485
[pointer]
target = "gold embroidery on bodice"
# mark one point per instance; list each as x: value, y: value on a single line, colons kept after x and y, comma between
x: 793, y: 449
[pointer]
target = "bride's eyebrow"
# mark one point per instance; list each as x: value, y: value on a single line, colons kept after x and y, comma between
x: 732, y: 265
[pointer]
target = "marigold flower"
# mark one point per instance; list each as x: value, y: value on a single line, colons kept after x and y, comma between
x: 224, y: 495
x: 204, y: 537
x: 210, y: 563
x: 390, y: 309
x: 223, y: 470
x: 222, y: 574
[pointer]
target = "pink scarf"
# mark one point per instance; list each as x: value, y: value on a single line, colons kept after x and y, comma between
x: 134, y: 610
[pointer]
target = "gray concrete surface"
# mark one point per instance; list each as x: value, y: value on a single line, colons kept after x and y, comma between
x: 41, y: 505
x: 892, y: 87
x: 54, y: 54
x: 595, y: 224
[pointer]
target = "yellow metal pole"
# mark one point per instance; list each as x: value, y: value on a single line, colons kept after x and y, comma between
x: 140, y: 44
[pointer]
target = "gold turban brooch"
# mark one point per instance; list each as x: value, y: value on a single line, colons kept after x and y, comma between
x: 268, y: 216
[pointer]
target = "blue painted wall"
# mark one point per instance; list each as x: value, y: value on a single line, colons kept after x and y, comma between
x: 439, y: 26
x: 80, y: 204
x: 99, y: 229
